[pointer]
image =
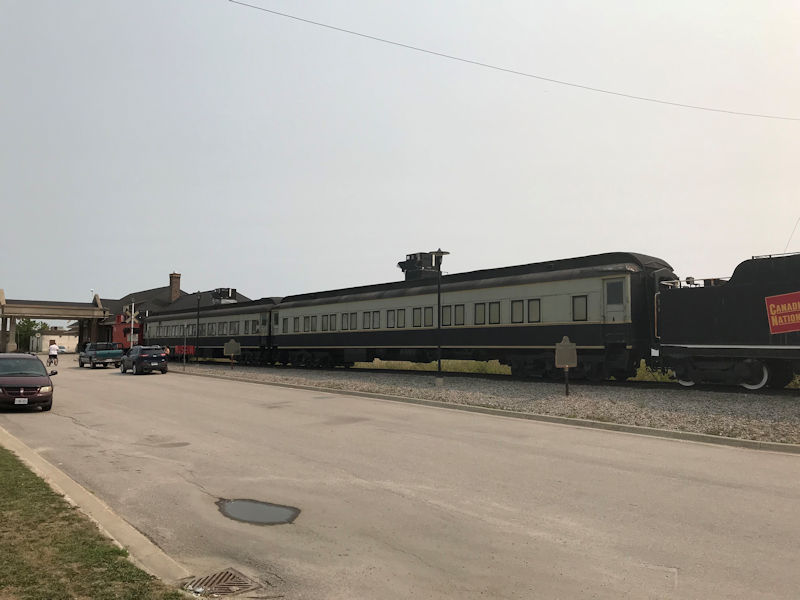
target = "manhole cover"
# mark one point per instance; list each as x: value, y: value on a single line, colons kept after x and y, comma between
x: 225, y: 583
x: 259, y: 513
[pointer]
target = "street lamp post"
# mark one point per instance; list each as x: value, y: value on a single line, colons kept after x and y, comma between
x: 439, y: 254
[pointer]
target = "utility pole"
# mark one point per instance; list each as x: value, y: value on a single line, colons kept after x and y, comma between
x: 197, y: 332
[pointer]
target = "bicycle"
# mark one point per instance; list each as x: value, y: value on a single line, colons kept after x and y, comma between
x: 52, y: 360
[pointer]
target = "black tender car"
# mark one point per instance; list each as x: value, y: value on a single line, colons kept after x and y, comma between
x: 144, y: 359
x: 24, y: 381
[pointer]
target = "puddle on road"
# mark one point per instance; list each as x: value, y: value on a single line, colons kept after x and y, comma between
x: 257, y: 513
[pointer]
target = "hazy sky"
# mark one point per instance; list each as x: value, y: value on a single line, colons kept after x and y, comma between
x: 248, y: 150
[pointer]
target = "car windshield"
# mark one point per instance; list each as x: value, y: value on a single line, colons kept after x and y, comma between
x: 22, y: 367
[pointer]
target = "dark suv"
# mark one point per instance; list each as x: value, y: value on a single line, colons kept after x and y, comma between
x: 144, y: 359
x: 24, y: 381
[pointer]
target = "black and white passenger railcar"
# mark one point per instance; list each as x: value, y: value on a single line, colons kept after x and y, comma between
x: 604, y: 303
x: 203, y: 332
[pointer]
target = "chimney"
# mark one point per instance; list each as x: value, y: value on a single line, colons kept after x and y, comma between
x: 174, y: 286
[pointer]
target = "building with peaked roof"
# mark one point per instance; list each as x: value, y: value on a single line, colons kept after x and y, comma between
x: 117, y: 326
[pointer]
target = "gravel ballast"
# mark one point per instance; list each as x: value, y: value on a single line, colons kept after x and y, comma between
x: 763, y: 416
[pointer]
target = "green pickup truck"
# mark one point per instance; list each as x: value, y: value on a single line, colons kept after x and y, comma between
x: 101, y: 353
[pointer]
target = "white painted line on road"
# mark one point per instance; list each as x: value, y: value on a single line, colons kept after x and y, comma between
x: 143, y: 553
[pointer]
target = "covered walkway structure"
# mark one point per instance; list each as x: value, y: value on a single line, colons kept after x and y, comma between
x: 88, y: 314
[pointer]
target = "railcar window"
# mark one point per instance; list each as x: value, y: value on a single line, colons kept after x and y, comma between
x: 353, y: 320
x: 459, y: 314
x: 345, y: 322
x: 480, y: 314
x: 247, y: 327
x: 306, y: 323
x: 333, y: 322
x: 579, y: 308
x: 494, y: 313
x: 614, y: 292
x: 212, y: 329
x: 191, y: 330
x: 390, y: 318
x: 376, y: 319
x: 366, y: 317
x: 447, y: 312
x: 324, y: 322
x: 234, y: 328
x: 417, y: 317
x: 255, y: 325
x: 202, y: 328
x: 296, y: 324
x: 222, y: 328
x: 534, y: 311
x: 401, y: 317
x: 285, y: 324
x: 517, y: 310
x: 428, y: 316
x: 313, y: 323
x: 275, y: 319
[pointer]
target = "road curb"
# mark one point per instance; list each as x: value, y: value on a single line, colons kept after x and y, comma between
x: 143, y: 553
x: 618, y: 427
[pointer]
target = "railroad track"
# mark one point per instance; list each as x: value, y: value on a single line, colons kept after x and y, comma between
x: 577, y: 383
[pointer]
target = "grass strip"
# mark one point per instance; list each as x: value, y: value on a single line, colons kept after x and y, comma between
x: 49, y: 550
x: 493, y: 367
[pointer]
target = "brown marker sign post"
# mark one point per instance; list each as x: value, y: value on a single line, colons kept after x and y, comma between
x: 232, y: 348
x: 566, y: 357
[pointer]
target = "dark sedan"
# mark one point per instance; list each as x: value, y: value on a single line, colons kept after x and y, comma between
x: 24, y: 381
x: 144, y: 359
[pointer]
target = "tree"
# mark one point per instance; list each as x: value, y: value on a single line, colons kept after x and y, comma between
x: 27, y: 328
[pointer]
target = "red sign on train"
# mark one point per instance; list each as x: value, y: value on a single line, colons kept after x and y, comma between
x: 783, y: 313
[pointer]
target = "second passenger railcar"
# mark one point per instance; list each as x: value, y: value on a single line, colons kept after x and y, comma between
x: 604, y: 303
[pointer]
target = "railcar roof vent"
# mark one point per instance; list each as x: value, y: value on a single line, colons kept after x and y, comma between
x: 419, y: 265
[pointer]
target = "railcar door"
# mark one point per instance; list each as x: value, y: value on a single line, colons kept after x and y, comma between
x: 614, y: 304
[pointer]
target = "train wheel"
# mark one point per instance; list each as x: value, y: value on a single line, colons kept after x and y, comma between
x: 759, y: 381
x: 686, y: 382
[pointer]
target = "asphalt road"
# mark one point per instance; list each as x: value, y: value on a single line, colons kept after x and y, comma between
x: 404, y: 501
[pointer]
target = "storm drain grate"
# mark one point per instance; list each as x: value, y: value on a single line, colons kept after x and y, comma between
x: 225, y: 583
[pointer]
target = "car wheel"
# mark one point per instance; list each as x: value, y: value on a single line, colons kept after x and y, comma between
x: 48, y: 406
x: 117, y: 365
x: 91, y: 364
x: 122, y: 368
x: 80, y: 363
x: 164, y: 371
x: 134, y: 370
